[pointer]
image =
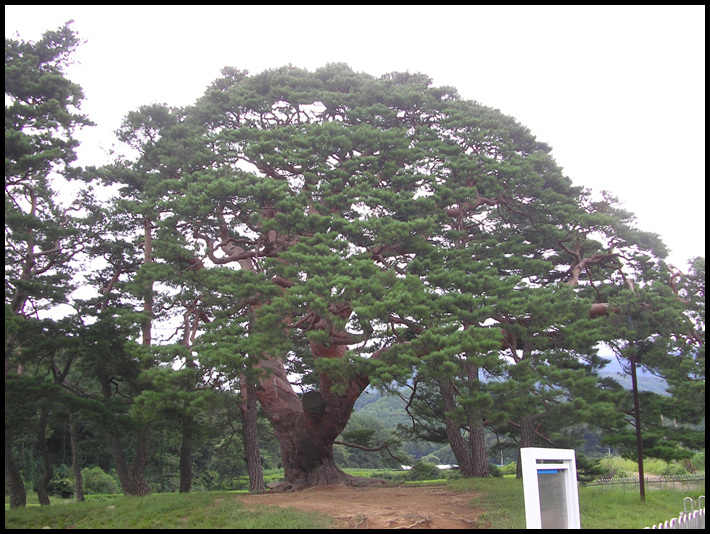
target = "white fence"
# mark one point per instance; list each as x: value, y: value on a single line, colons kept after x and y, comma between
x: 693, y: 519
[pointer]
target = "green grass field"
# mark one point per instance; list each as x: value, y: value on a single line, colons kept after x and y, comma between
x: 501, y: 500
x: 164, y: 510
x: 504, y: 505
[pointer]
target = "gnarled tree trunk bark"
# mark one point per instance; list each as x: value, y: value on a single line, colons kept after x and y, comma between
x: 474, y: 417
x: 136, y: 475
x: 470, y: 455
x: 307, y: 427
x: 131, y: 477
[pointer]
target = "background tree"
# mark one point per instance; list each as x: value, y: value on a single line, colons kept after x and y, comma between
x: 134, y: 263
x: 684, y: 367
x: 656, y: 330
x: 365, y: 435
x: 41, y: 236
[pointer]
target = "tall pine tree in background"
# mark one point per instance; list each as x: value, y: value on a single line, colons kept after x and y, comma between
x: 41, y: 236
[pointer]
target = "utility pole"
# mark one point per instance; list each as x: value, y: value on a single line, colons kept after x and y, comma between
x: 637, y: 422
x: 637, y: 414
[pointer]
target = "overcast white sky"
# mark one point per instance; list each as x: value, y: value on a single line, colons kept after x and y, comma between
x: 618, y: 92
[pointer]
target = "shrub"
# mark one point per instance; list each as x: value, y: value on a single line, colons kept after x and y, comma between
x: 589, y: 469
x: 674, y: 468
x: 424, y: 471
x: 509, y: 469
x: 61, y: 487
x: 62, y: 483
x: 495, y: 470
x: 97, y: 481
x: 696, y: 463
x: 654, y: 466
x: 452, y: 474
x: 616, y: 467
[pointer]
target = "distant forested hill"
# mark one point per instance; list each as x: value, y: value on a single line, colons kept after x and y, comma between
x: 647, y: 382
x: 389, y: 409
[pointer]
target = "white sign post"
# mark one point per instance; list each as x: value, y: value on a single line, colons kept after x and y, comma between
x: 550, y: 486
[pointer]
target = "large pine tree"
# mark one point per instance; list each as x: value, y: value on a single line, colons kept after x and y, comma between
x: 369, y: 228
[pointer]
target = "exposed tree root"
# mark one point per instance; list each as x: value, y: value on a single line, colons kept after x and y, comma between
x: 341, y: 480
x: 416, y: 523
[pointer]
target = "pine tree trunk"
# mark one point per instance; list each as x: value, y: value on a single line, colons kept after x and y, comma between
x: 13, y: 478
x: 120, y: 460
x: 477, y: 443
x: 186, y: 461
x: 250, y: 437
x: 527, y: 439
x: 453, y: 431
x: 131, y: 478
x: 474, y: 415
x: 119, y: 457
x: 14, y: 484
x: 138, y: 484
x: 43, y: 484
x: 79, y: 481
x: 306, y: 428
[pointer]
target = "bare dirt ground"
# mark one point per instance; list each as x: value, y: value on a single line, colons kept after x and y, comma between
x: 395, y: 507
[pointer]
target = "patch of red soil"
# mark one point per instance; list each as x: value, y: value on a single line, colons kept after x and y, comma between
x: 395, y: 507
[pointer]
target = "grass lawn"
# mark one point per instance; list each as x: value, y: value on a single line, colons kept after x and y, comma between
x: 501, y: 500
x: 163, y: 510
x: 503, y: 503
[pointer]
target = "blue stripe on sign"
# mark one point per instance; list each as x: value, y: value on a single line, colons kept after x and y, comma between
x: 545, y: 471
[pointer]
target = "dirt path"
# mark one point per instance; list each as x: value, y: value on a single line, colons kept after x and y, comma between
x: 380, y: 507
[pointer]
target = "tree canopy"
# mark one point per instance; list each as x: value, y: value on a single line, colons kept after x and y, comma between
x: 391, y: 226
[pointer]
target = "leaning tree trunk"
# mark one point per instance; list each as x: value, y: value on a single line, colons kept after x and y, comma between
x: 453, y: 430
x: 13, y: 478
x: 307, y: 427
